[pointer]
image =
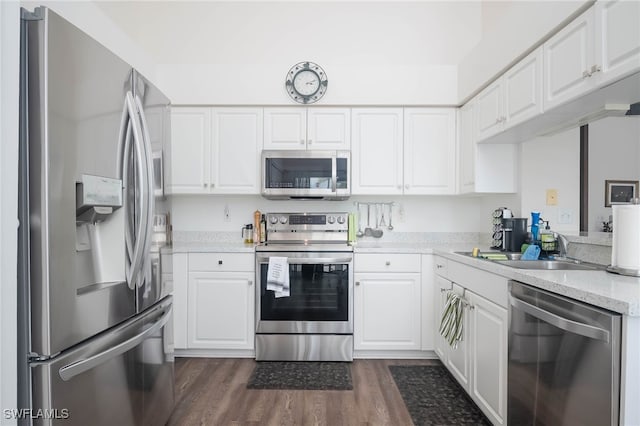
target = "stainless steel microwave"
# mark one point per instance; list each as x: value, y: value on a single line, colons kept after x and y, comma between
x: 306, y: 174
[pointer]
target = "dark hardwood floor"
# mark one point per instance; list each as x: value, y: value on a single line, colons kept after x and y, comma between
x: 212, y: 391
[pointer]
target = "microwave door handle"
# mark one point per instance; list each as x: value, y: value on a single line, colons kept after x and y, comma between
x: 334, y: 174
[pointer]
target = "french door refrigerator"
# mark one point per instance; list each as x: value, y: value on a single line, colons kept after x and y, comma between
x: 96, y: 344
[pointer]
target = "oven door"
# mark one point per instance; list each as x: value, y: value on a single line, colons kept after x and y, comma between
x: 321, y: 294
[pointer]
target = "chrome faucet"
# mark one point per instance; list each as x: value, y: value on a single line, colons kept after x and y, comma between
x: 563, y: 243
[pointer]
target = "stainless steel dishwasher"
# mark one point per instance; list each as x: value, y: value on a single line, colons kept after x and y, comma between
x: 564, y: 360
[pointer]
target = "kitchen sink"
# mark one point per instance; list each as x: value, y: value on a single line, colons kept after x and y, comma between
x: 554, y: 265
x: 513, y: 260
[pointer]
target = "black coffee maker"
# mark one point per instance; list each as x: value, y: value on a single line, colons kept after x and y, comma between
x: 514, y: 233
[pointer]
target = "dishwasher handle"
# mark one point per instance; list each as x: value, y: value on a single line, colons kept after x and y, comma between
x: 565, y: 324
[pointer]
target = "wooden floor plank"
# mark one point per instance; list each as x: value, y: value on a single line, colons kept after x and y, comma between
x: 212, y: 391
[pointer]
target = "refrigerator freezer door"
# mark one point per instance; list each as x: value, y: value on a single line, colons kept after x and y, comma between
x: 76, y: 92
x: 123, y: 377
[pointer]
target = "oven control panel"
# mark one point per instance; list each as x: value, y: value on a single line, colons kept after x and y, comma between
x: 317, y: 222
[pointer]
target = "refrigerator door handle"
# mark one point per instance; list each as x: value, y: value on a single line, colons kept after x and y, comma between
x: 136, y: 254
x: 71, y: 370
x: 150, y: 196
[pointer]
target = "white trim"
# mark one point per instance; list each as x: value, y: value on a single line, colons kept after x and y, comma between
x: 9, y: 81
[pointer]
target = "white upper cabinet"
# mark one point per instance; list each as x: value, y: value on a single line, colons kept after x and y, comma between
x: 376, y: 157
x: 568, y: 58
x: 403, y: 152
x: 215, y: 150
x: 618, y: 38
x: 466, y: 149
x: 599, y: 47
x: 515, y: 97
x: 235, y: 154
x: 190, y: 150
x: 307, y: 128
x: 429, y: 150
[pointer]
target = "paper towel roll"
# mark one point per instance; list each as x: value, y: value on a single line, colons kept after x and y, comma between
x: 625, y: 252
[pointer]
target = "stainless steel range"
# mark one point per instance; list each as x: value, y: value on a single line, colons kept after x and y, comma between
x: 315, y: 321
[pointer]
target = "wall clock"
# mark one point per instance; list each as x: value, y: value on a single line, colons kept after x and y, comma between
x: 306, y: 82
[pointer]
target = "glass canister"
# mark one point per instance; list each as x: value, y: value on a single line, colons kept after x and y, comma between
x: 247, y: 234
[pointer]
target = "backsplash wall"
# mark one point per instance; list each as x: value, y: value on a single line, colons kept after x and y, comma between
x: 411, y: 213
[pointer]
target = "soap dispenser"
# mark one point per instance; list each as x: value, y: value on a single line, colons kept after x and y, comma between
x: 547, y: 238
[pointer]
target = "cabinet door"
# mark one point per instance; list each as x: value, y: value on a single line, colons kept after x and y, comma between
x: 221, y: 310
x: 429, y: 150
x: 489, y: 110
x: 441, y: 286
x: 458, y: 361
x: 329, y: 128
x: 285, y: 128
x: 376, y: 154
x: 568, y: 57
x: 190, y: 150
x: 489, y: 357
x: 618, y: 44
x: 429, y: 303
x: 523, y: 89
x: 466, y: 149
x: 387, y: 311
x: 180, y: 299
x: 235, y: 154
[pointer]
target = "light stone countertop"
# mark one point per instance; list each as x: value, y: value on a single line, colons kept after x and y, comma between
x: 600, y: 288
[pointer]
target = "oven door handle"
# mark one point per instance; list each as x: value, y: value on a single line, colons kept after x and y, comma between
x: 311, y: 260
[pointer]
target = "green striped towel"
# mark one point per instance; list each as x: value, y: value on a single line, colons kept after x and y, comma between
x: 451, y: 321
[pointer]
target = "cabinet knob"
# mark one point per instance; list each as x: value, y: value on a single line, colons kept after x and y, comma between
x: 595, y: 68
x: 438, y: 266
x: 204, y: 184
x: 219, y: 262
x: 407, y: 186
x: 503, y: 119
x: 310, y: 141
x: 497, y: 120
x: 213, y: 185
x: 301, y: 141
x: 586, y: 74
x: 357, y: 282
x: 250, y: 282
x: 399, y: 186
x: 388, y: 262
x: 443, y: 290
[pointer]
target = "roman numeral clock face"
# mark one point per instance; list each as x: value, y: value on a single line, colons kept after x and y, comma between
x: 306, y: 82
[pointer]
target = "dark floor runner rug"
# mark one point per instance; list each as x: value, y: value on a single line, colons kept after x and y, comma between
x: 301, y: 375
x: 433, y: 397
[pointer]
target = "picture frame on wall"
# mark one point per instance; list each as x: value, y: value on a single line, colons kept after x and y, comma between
x: 620, y: 191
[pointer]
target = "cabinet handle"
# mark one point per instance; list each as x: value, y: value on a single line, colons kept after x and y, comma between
x: 594, y: 69
x: 399, y: 186
x: 310, y: 141
x: 219, y: 262
x: 301, y: 141
x: 250, y: 282
x: 357, y: 282
x: 388, y: 262
x: 438, y: 266
x: 407, y: 186
x: 204, y: 184
x: 443, y: 290
x: 213, y: 185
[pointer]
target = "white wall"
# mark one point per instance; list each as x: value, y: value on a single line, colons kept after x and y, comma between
x: 614, y: 154
x: 509, y: 29
x: 552, y: 162
x: 87, y: 16
x: 234, y: 53
x: 9, y: 80
x: 412, y: 213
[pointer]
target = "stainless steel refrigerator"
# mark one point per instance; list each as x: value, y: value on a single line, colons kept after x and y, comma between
x: 96, y: 344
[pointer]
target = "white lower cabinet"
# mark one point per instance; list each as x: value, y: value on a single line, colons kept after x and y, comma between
x: 387, y: 302
x: 479, y: 363
x: 488, y: 343
x: 214, y: 296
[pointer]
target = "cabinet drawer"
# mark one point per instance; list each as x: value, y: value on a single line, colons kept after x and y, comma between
x: 490, y: 286
x: 441, y: 266
x: 396, y: 262
x: 242, y: 262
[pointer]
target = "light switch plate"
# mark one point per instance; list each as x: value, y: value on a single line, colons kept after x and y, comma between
x: 552, y: 197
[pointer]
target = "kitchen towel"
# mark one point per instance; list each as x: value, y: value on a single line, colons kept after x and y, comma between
x: 625, y: 245
x: 278, y: 276
x: 451, y: 321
